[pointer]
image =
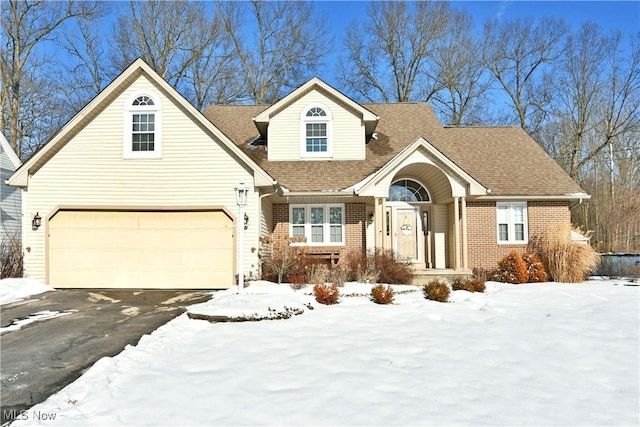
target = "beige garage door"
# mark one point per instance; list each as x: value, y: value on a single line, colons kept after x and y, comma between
x: 105, y: 249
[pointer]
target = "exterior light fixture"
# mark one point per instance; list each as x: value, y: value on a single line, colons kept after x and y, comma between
x: 242, y: 195
x: 36, y: 222
x: 371, y: 216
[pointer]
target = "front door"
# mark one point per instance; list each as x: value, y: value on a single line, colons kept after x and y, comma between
x: 406, y: 232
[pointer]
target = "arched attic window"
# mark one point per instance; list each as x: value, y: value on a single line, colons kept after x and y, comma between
x: 315, y: 130
x: 142, y: 136
x: 408, y: 190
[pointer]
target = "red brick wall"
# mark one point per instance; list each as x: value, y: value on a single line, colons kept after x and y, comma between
x: 355, y: 227
x: 484, y: 250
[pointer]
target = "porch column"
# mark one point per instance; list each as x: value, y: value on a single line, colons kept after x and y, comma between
x: 465, y: 246
x: 456, y: 232
x: 378, y: 222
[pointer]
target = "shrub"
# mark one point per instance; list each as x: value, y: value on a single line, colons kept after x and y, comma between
x: 476, y: 285
x: 11, y: 257
x: 361, y: 266
x: 471, y: 285
x: 536, y: 272
x: 513, y: 269
x: 436, y: 290
x: 280, y: 257
x: 564, y: 259
x: 297, y: 281
x: 338, y: 274
x: 458, y: 284
x: 326, y: 294
x: 381, y: 294
x: 390, y: 269
x: 318, y: 273
x: 485, y: 274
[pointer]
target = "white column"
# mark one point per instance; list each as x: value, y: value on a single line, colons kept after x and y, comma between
x: 465, y: 242
x: 456, y: 232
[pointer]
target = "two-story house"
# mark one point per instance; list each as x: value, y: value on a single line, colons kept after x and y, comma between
x: 137, y: 190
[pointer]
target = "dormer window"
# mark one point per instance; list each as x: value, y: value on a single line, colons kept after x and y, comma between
x: 142, y: 136
x: 316, y: 131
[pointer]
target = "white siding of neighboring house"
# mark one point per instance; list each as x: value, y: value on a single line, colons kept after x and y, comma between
x: 10, y: 197
x: 284, y: 131
x: 90, y: 170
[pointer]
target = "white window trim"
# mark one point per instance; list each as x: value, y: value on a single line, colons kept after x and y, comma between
x: 303, y: 131
x: 511, y: 223
x: 326, y: 224
x: 129, y: 111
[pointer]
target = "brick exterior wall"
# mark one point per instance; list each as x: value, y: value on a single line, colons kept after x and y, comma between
x: 484, y: 250
x: 355, y: 227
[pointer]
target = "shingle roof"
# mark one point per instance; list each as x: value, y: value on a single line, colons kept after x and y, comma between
x: 504, y: 159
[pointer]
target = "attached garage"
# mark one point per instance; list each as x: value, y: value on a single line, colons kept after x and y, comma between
x: 190, y: 249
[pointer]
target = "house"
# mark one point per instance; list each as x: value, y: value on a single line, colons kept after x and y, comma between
x: 10, y: 197
x: 137, y: 190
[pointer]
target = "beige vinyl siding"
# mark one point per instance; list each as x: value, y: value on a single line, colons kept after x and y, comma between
x: 89, y: 170
x: 347, y: 130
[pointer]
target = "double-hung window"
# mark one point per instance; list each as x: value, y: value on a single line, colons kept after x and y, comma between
x: 512, y: 222
x: 320, y: 225
x: 142, y: 137
x: 316, y: 131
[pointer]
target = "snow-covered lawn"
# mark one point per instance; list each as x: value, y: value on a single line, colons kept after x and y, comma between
x: 16, y: 289
x: 543, y: 354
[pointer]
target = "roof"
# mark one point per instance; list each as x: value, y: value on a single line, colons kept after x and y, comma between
x: 137, y: 69
x: 504, y: 159
x: 8, y: 150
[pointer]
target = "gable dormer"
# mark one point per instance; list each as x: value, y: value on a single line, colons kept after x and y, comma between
x: 316, y: 122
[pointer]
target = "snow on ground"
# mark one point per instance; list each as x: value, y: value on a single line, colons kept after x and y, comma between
x: 539, y: 354
x: 16, y: 289
x: 35, y: 317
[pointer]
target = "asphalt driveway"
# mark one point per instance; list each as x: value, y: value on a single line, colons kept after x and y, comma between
x: 83, y: 326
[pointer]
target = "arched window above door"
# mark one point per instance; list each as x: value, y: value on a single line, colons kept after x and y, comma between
x: 408, y: 190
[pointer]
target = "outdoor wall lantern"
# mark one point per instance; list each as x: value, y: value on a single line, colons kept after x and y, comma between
x: 242, y: 194
x: 36, y: 222
x: 371, y: 216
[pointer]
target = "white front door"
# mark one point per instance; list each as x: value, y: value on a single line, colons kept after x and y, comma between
x: 406, y: 233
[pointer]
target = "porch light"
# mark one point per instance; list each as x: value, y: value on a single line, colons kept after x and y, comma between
x: 371, y: 216
x: 36, y: 222
x: 242, y: 194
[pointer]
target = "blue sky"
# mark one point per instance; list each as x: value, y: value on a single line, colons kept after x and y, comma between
x: 610, y: 15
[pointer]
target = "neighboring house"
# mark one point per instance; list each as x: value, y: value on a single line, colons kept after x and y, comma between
x: 137, y: 190
x: 10, y: 197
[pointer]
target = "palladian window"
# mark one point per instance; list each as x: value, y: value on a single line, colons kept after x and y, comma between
x: 316, y: 132
x: 142, y: 127
x: 408, y: 190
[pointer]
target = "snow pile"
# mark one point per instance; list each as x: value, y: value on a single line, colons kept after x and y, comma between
x: 543, y: 354
x: 17, y: 289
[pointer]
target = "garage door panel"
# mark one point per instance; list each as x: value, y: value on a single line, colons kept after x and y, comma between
x: 141, y: 249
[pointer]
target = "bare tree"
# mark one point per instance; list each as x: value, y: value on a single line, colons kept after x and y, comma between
x: 184, y: 43
x: 279, y: 44
x: 386, y: 55
x: 516, y: 53
x: 458, y: 75
x: 26, y: 25
x: 86, y: 70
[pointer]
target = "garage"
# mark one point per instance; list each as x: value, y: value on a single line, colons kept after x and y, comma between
x: 140, y: 249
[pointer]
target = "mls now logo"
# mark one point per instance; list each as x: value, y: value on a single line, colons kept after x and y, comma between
x: 23, y: 415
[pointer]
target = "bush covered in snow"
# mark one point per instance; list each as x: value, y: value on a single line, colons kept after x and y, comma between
x: 326, y: 294
x: 512, y: 269
x: 437, y: 290
x: 472, y: 284
x: 381, y: 294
